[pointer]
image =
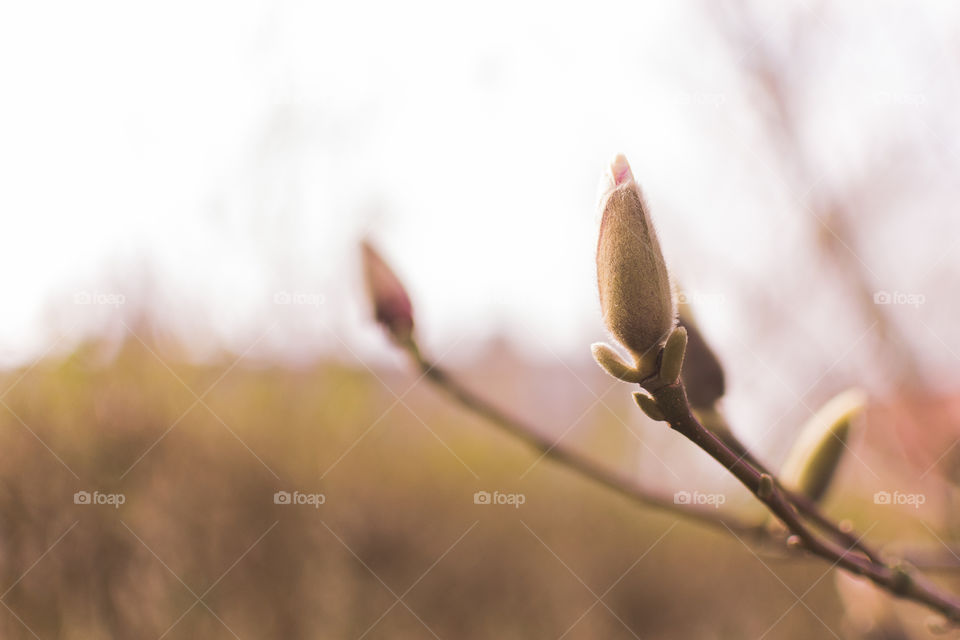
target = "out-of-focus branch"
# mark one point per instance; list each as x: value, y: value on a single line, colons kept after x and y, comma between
x: 829, y: 207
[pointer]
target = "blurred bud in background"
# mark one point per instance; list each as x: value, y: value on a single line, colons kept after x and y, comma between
x: 814, y: 458
x: 703, y: 377
x: 702, y: 372
x: 391, y: 304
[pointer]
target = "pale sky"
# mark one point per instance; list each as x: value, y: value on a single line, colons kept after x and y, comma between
x: 228, y: 152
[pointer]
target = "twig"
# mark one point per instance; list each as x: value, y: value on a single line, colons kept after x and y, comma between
x: 897, y: 580
x: 848, y: 552
x: 804, y: 505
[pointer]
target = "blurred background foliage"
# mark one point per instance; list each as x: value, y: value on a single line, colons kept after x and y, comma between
x: 399, y: 479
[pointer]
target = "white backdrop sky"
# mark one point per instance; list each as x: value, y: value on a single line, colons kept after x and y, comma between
x: 234, y: 150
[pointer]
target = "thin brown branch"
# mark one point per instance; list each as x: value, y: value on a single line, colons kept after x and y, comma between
x: 618, y: 482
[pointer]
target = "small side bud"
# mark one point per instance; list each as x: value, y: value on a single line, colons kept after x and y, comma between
x: 814, y: 459
x: 635, y: 294
x: 938, y: 625
x: 902, y: 580
x: 794, y: 542
x: 649, y: 406
x: 765, y: 490
x: 391, y: 304
x: 610, y: 362
x: 672, y: 360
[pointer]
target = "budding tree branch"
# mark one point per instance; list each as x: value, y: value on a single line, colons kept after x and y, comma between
x: 639, y: 311
x: 843, y: 548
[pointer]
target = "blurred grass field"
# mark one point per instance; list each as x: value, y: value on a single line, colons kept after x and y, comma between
x: 399, y: 520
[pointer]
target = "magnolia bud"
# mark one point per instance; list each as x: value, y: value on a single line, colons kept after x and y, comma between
x: 635, y: 295
x: 391, y: 304
x: 820, y: 446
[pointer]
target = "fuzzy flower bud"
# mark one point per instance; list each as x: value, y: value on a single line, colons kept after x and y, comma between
x: 391, y: 304
x: 635, y: 295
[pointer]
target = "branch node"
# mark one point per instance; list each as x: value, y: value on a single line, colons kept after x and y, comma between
x: 901, y: 579
x: 765, y: 490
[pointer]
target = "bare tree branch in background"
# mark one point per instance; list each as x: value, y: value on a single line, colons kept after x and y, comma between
x: 830, y: 207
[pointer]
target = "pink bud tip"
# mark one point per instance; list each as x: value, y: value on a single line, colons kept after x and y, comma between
x: 620, y: 169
